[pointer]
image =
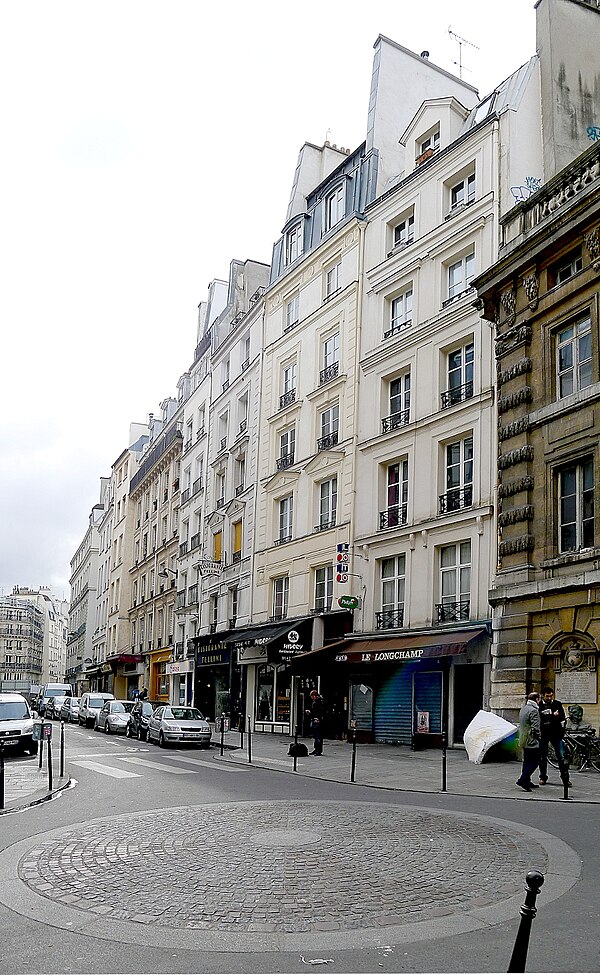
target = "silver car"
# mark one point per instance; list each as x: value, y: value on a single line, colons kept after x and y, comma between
x: 171, y: 725
x: 70, y: 709
x: 114, y: 717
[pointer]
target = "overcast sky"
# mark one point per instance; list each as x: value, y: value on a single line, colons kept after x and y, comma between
x: 145, y: 145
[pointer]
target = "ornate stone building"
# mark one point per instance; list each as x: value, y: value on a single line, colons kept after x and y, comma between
x: 542, y: 296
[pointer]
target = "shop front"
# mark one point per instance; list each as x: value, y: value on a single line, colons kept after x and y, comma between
x: 127, y: 671
x: 217, y: 681
x: 404, y: 690
x: 159, y: 689
x: 181, y: 676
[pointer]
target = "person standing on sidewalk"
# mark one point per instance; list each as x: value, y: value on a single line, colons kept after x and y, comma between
x: 316, y: 721
x: 553, y: 720
x: 529, y: 740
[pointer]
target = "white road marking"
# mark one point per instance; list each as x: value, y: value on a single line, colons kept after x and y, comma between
x: 116, y: 773
x: 156, y: 765
x: 217, y: 766
x: 98, y: 755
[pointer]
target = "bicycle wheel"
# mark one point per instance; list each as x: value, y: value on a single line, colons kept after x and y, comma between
x: 552, y: 759
x: 576, y: 755
x: 595, y: 755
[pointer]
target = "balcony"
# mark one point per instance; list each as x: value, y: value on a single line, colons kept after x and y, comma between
x: 232, y: 622
x: 393, y: 516
x: 453, y: 612
x: 287, y: 399
x: 220, y: 502
x: 323, y: 606
x: 183, y: 548
x: 397, y: 328
x: 457, y: 395
x: 326, y: 443
x: 329, y: 373
x: 212, y: 627
x: 193, y: 594
x: 239, y: 490
x: 185, y: 495
x: 324, y: 526
x: 394, y: 421
x: 456, y: 498
x: 286, y: 460
x: 197, y: 486
x: 195, y: 541
x: 225, y: 385
x: 243, y: 426
x: 283, y: 539
x: 390, y: 619
x: 236, y: 557
x: 459, y: 294
x: 223, y: 443
x: 245, y: 364
x: 278, y: 614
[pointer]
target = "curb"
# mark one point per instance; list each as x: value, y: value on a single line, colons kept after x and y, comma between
x: 38, y: 802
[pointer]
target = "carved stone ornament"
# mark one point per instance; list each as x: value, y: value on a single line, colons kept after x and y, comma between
x: 573, y: 654
x: 530, y: 284
x: 592, y: 242
x: 509, y: 303
x: 487, y: 309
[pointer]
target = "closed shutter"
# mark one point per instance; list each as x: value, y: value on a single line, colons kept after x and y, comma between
x: 393, y: 707
x: 428, y: 697
x: 218, y: 539
x: 237, y: 536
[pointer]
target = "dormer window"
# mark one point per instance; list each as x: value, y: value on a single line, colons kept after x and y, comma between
x: 335, y: 207
x: 293, y: 244
x: 428, y: 144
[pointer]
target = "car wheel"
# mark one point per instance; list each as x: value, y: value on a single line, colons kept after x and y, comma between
x: 107, y: 730
x: 161, y: 740
x: 128, y: 731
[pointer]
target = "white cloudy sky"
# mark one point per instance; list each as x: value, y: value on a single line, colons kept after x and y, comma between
x: 146, y: 143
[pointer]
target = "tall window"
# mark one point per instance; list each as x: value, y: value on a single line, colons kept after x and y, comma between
x: 332, y: 279
x: 574, y: 357
x: 286, y: 513
x: 217, y: 546
x: 576, y: 506
x: 329, y: 427
x: 234, y: 605
x: 287, y: 448
x: 236, y: 541
x: 404, y: 232
x: 289, y: 378
x: 281, y: 591
x: 324, y: 587
x: 568, y: 266
x: 335, y: 207
x: 401, y: 312
x: 399, y: 403
x: 330, y: 358
x: 460, y: 375
x: 393, y: 579
x: 460, y: 275
x: 327, y: 503
x: 396, y: 510
x: 455, y: 582
x: 213, y: 612
x: 459, y: 476
x: 293, y: 244
x: 462, y: 192
x: 292, y: 312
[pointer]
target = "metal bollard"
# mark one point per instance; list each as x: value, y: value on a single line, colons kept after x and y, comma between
x: 353, y: 770
x: 49, y: 766
x: 40, y: 752
x: 444, y: 761
x: 222, y: 731
x: 242, y: 733
x: 533, y: 882
x: 296, y: 750
x: 62, y: 749
x: 1, y: 776
x: 249, y: 742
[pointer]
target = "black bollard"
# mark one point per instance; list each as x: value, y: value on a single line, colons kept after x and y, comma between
x: 353, y: 770
x: 533, y: 882
x: 249, y: 742
x: 444, y: 761
x: 242, y: 733
x: 296, y: 749
x: 222, y: 731
x: 1, y: 776
x: 49, y: 766
x: 62, y: 749
x: 40, y: 752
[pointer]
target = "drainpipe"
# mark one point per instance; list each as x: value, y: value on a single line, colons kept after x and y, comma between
x: 362, y: 226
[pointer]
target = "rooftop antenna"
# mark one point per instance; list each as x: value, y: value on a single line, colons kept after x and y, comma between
x: 461, y: 41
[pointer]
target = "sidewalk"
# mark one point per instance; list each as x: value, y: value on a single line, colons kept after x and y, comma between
x: 25, y: 783
x: 399, y: 768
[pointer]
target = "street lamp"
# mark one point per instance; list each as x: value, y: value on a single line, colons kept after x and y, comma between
x: 164, y: 572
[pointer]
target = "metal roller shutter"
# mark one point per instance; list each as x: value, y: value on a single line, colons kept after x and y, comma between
x: 393, y: 707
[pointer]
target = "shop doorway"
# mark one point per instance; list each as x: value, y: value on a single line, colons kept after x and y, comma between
x: 468, y: 698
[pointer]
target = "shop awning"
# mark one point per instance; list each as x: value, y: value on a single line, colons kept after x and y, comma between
x: 257, y: 636
x: 125, y: 658
x: 391, y: 650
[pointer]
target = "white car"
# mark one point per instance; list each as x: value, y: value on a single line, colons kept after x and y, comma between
x: 70, y: 709
x: 170, y: 725
x: 90, y: 706
x: 16, y: 724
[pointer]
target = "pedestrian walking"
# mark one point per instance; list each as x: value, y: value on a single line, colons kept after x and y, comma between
x: 553, y: 720
x: 316, y: 721
x: 529, y: 740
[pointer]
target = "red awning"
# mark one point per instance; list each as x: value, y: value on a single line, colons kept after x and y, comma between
x: 390, y: 650
x: 125, y: 658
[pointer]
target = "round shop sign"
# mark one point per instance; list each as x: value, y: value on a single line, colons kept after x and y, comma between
x: 293, y: 636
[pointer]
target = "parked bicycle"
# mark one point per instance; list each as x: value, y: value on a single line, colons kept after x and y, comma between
x: 582, y: 751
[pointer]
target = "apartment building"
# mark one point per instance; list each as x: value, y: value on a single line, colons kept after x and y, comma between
x: 105, y: 535
x: 33, y: 635
x: 82, y: 605
x: 542, y: 299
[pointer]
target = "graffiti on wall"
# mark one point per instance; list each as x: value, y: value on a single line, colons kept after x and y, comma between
x: 524, y: 191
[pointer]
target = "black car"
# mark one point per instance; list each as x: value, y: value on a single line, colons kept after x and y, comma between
x: 138, y: 720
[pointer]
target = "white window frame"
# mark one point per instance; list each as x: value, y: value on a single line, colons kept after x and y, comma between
x: 577, y: 360
x: 458, y: 467
x: 292, y: 312
x: 463, y: 192
x: 293, y: 243
x: 399, y: 397
x: 328, y: 498
x: 329, y: 420
x: 335, y: 207
x: 281, y: 595
x: 285, y: 518
x: 460, y: 368
x: 332, y: 279
x: 582, y: 494
x: 289, y: 377
x: 455, y: 573
x: 324, y: 588
x: 401, y: 312
x: 460, y: 274
x: 393, y: 586
x: 287, y: 442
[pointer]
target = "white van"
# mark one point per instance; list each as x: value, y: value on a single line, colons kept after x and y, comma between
x: 16, y: 724
x: 51, y: 690
x: 90, y: 706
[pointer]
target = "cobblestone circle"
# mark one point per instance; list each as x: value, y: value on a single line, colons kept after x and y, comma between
x: 287, y: 866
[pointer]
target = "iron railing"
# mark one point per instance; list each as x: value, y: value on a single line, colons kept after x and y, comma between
x: 457, y: 395
x: 394, y: 421
x: 393, y: 516
x: 389, y: 619
x: 325, y: 443
x: 453, y: 611
x: 329, y: 373
x: 456, y: 498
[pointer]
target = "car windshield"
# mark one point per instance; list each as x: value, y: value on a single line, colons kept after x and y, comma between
x: 13, y: 710
x: 96, y: 702
x: 74, y: 700
x: 117, y: 707
x: 147, y: 708
x: 55, y: 692
x: 184, y: 714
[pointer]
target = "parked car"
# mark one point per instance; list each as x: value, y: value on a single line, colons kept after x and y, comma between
x: 54, y: 705
x: 70, y: 709
x: 139, y: 716
x: 49, y: 691
x: 16, y: 724
x: 113, y: 717
x: 90, y: 706
x: 169, y: 725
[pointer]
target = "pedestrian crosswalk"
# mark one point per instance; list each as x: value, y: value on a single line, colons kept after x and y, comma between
x: 123, y: 764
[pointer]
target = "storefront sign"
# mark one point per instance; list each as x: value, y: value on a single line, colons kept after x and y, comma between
x: 180, y: 667
x: 384, y: 656
x: 577, y: 687
x: 349, y: 602
x: 208, y: 568
x: 291, y: 645
x: 212, y: 657
x: 251, y: 655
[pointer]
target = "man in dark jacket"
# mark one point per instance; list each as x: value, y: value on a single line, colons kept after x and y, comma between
x: 529, y: 740
x: 316, y: 721
x: 553, y: 719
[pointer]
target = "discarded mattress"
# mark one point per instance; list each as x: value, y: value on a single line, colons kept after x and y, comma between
x: 486, y: 729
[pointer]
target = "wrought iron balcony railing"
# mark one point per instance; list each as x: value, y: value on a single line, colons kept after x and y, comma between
x: 283, y: 539
x: 456, y: 498
x: 457, y: 395
x: 185, y: 495
x: 394, y: 421
x: 236, y: 557
x: 398, y: 327
x: 323, y: 526
x: 453, y: 612
x: 325, y: 443
x: 197, y: 485
x: 322, y: 606
x: 390, y: 619
x: 287, y: 399
x: 286, y: 460
x: 239, y: 490
x: 329, y: 373
x: 393, y: 516
x: 220, y: 502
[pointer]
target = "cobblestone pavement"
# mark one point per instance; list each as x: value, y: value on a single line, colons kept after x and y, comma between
x: 284, y: 866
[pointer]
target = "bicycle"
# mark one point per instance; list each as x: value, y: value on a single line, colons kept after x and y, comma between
x: 582, y: 751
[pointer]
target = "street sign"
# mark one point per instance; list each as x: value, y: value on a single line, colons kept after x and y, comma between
x: 349, y: 602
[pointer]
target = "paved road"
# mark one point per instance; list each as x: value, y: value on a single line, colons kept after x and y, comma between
x: 174, y: 861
